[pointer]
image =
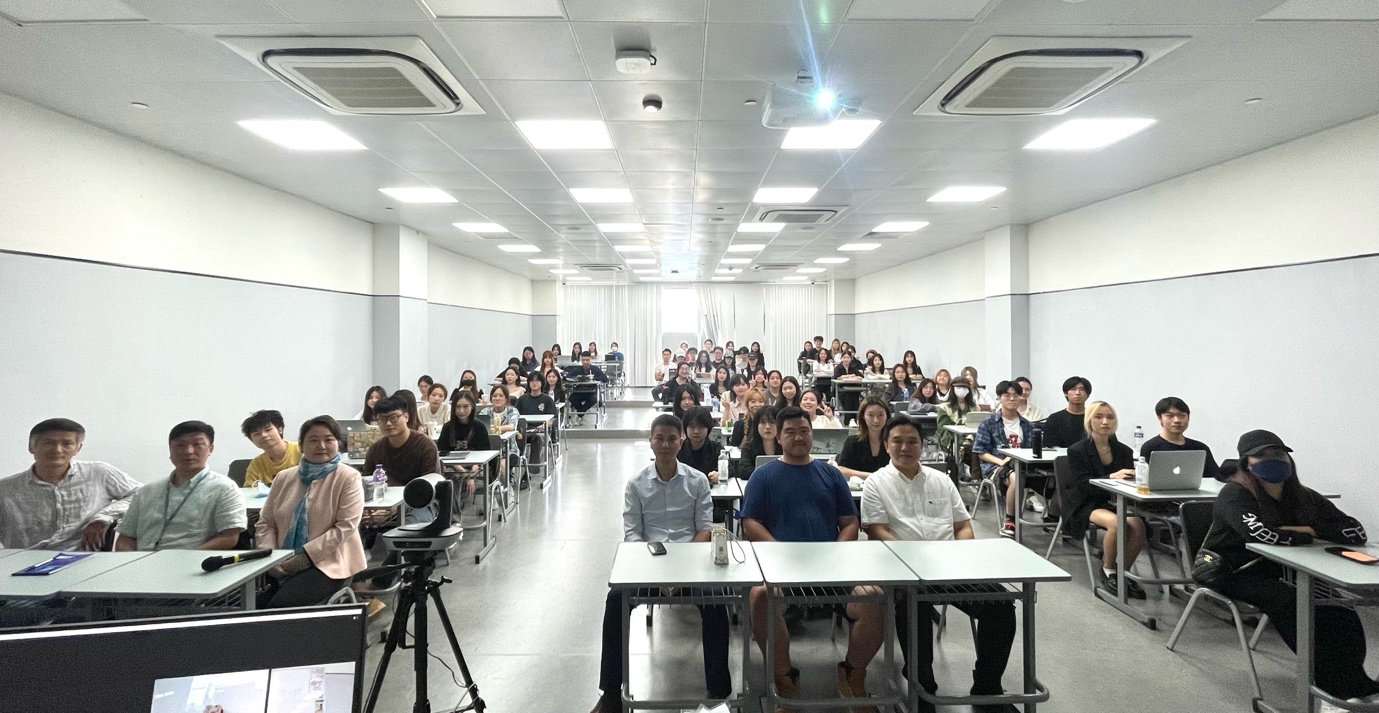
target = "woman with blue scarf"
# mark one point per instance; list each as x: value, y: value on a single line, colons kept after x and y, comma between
x: 314, y: 510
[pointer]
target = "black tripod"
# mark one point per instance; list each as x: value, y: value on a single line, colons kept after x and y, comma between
x: 418, y: 567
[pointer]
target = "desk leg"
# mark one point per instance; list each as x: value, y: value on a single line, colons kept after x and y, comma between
x: 249, y: 591
x: 746, y: 624
x: 1121, y: 600
x: 769, y: 654
x: 1031, y: 670
x: 1305, y: 587
x: 912, y: 633
x: 491, y: 500
x: 626, y: 692
x: 1019, y: 476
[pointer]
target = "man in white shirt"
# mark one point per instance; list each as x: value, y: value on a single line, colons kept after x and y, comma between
x: 60, y: 503
x: 193, y: 508
x: 905, y: 501
x: 662, y: 370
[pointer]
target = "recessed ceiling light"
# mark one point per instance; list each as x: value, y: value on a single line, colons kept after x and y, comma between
x: 841, y: 134
x: 566, y: 134
x: 858, y: 247
x: 640, y: 261
x: 419, y: 194
x: 811, y: 270
x: 303, y: 135
x: 830, y: 260
x: 760, y: 227
x: 784, y: 194
x: 735, y: 261
x: 650, y: 279
x: 647, y: 272
x: 621, y: 227
x: 632, y: 248
x: 720, y: 278
x: 578, y: 279
x: 965, y: 194
x: 518, y: 248
x: 900, y: 226
x: 602, y: 195
x: 480, y: 227
x: 544, y: 261
x: 745, y: 248
x: 1084, y: 134
x: 795, y: 278
x: 564, y: 271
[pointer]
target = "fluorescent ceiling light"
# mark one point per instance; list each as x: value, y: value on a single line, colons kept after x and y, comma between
x: 303, y: 135
x: 784, y: 194
x: 728, y: 270
x: 480, y: 227
x: 578, y: 279
x: 621, y: 227
x: 965, y: 194
x: 419, y: 194
x: 722, y: 279
x: 650, y: 279
x: 1085, y: 134
x: 795, y: 278
x: 647, y: 272
x: 811, y: 270
x: 564, y: 271
x: 736, y: 261
x: 640, y: 261
x: 745, y: 248
x: 900, y: 226
x: 518, y: 248
x: 830, y: 260
x: 760, y: 227
x: 602, y: 195
x: 841, y: 134
x: 858, y: 247
x: 566, y: 134
x: 544, y: 261
x: 632, y: 248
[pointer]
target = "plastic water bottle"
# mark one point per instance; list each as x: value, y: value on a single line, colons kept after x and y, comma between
x: 1139, y: 440
x: 380, y: 482
x: 1141, y: 475
x: 723, y: 464
x: 904, y: 394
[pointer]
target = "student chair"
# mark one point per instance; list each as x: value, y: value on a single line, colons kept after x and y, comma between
x: 1196, y: 519
x: 237, y: 470
x: 1061, y: 475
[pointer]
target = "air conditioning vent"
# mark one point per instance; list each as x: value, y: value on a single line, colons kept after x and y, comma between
x: 610, y: 269
x: 1015, y: 76
x: 775, y: 266
x: 361, y: 75
x: 798, y: 215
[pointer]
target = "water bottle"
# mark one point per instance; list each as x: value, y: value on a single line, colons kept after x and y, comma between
x: 1036, y: 442
x: 1139, y: 440
x: 380, y: 482
x: 1141, y: 475
x: 723, y: 464
x: 720, y: 543
x: 904, y: 394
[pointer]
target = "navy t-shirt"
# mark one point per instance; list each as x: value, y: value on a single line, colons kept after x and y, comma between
x: 798, y: 503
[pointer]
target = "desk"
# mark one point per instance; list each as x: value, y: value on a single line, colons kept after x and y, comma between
x: 46, y: 587
x: 495, y: 492
x: 540, y: 428
x: 727, y: 490
x: 1023, y: 458
x: 176, y: 574
x: 7, y: 553
x: 689, y: 566
x: 962, y: 432
x: 1357, y: 583
x: 392, y: 500
x: 858, y: 386
x: 588, y: 387
x: 812, y: 573
x: 948, y: 571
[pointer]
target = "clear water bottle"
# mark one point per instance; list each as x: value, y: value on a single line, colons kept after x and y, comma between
x: 380, y: 482
x: 1141, y: 475
x: 1139, y: 440
x: 723, y: 464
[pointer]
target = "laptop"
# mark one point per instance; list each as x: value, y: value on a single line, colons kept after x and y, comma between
x: 829, y: 441
x: 350, y: 425
x: 1176, y: 470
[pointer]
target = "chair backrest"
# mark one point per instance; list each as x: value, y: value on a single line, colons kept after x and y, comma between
x: 1062, y: 473
x: 486, y: 419
x: 237, y: 470
x: 975, y: 418
x: 1196, y: 517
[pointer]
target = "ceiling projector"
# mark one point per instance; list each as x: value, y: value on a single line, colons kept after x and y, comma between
x: 800, y: 104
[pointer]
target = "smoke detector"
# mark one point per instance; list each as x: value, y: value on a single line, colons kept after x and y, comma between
x: 634, y: 61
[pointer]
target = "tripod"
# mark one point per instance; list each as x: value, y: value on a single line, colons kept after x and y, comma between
x: 419, y: 565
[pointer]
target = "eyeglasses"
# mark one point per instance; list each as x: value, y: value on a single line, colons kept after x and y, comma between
x: 392, y: 418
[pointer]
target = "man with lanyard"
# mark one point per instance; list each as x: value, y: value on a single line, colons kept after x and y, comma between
x: 194, y: 508
x: 1004, y: 429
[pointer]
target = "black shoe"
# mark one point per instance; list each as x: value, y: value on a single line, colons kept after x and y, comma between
x: 1134, y: 589
x: 610, y: 703
x: 1108, y: 582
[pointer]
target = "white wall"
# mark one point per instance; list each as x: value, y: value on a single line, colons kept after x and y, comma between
x: 956, y: 275
x: 464, y: 282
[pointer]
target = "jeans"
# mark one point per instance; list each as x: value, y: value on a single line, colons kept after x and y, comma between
x: 583, y: 401
x: 713, y: 634
x: 995, y: 634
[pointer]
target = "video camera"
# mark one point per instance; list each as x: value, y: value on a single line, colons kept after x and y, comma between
x: 436, y: 535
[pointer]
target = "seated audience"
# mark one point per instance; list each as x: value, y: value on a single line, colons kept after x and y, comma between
x: 799, y: 499
x: 582, y: 401
x: 819, y: 416
x: 1264, y: 502
x: 661, y: 372
x: 667, y: 502
x: 371, y: 397
x: 876, y: 366
x: 943, y: 384
x: 924, y: 398
x: 752, y: 401
x: 758, y: 377
x: 555, y: 351
x: 536, y: 402
x: 848, y: 369
x: 469, y: 381
x: 1065, y: 427
x: 703, y: 364
x: 404, y: 454
x: 682, y: 378
x: 911, y: 365
x: 864, y: 452
x: 760, y: 441
x: 789, y: 393
x: 60, y: 503
x: 555, y: 386
x: 1004, y: 429
x: 699, y: 451
x: 313, y: 509
x: 434, y: 412
x: 594, y: 352
x: 423, y: 385
x: 731, y: 401
x: 500, y: 411
x: 985, y: 401
x: 900, y: 387
x: 761, y: 358
x: 614, y: 354
x: 512, y: 378
x: 529, y: 362
x: 1101, y: 455
x: 575, y: 350
x: 463, y: 432
x: 720, y: 360
x: 809, y: 353
x: 547, y: 362
x: 265, y: 430
x: 754, y: 362
x: 719, y: 388
x: 1028, y: 408
x: 1174, y: 416
x: 194, y: 508
x: 822, y: 365
x: 774, y: 379
x: 906, y: 501
x: 953, y: 412
x: 686, y: 398
x: 413, y: 413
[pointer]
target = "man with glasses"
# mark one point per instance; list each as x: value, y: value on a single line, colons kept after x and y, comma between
x: 1005, y: 428
x: 404, y: 454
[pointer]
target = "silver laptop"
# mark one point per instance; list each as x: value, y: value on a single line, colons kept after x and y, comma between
x: 829, y: 441
x: 1176, y: 470
x: 975, y: 418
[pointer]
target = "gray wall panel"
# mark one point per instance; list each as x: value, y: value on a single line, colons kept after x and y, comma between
x: 947, y: 336
x: 467, y: 338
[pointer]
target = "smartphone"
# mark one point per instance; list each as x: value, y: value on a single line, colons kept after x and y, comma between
x: 656, y: 548
x: 1353, y: 555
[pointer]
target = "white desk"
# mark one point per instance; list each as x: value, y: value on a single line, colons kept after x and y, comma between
x: 960, y: 433
x: 1023, y: 458
x: 495, y: 493
x: 176, y: 574
x: 48, y: 586
x: 540, y: 428
x: 392, y: 500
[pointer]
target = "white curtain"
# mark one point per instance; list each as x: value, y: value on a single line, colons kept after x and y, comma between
x: 627, y: 314
x: 717, y: 312
x: 793, y: 314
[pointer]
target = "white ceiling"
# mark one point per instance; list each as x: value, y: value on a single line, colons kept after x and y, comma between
x: 693, y: 167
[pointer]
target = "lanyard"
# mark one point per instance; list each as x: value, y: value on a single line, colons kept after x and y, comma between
x: 167, y: 500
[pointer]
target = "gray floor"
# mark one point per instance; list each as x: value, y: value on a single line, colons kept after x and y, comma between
x: 529, y: 616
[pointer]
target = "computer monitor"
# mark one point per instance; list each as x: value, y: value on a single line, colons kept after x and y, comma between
x: 283, y: 661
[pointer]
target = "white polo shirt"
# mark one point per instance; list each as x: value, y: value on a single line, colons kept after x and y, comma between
x: 923, y: 508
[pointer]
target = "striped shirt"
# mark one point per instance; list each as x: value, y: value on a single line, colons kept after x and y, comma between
x: 39, y: 515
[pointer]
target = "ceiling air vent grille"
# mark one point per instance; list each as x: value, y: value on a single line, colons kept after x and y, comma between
x: 613, y: 268
x: 775, y: 266
x: 798, y: 215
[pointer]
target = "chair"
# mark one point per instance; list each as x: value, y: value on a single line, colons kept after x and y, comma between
x: 1196, y: 518
x: 1061, y: 475
x: 237, y: 470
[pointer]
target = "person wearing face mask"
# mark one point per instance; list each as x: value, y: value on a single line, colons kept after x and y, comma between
x: 1263, y: 501
x: 952, y: 412
x: 984, y: 399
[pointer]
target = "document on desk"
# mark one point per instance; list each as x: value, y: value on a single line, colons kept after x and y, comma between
x: 52, y: 564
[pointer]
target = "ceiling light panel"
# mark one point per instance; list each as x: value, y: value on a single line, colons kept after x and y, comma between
x: 554, y: 135
x: 564, y: 271
x: 640, y: 261
x: 900, y: 226
x: 966, y: 194
x: 544, y: 261
x: 784, y: 194
x: 602, y: 195
x: 621, y: 228
x: 745, y: 248
x: 830, y: 260
x: 1088, y: 134
x: 760, y: 227
x: 480, y: 227
x: 518, y: 248
x: 303, y: 135
x: 811, y: 270
x: 841, y: 134
x: 418, y: 194
x: 647, y: 272
x: 858, y: 247
x: 795, y: 278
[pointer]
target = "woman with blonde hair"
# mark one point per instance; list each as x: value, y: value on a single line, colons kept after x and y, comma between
x: 1101, y: 455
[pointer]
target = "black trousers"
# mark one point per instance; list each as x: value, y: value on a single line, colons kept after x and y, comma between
x: 995, y: 634
x: 583, y: 401
x: 307, y: 587
x: 714, y: 635
x: 1339, y: 652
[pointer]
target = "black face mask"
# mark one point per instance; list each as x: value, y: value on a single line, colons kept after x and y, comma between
x: 467, y: 382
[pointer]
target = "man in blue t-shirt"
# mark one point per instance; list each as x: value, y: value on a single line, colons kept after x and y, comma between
x: 799, y: 499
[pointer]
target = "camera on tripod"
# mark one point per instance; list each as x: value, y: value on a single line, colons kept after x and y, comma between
x: 436, y: 535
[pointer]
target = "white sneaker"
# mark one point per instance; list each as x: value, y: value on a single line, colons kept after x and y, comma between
x: 1324, y: 707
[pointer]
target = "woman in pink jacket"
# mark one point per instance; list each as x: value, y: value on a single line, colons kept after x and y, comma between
x: 314, y: 510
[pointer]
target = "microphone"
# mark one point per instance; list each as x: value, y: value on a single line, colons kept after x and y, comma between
x: 211, y: 564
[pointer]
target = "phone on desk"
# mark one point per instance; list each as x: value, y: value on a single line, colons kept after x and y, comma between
x: 1353, y: 555
x: 656, y: 548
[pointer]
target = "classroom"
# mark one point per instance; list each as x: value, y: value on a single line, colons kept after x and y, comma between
x: 687, y: 355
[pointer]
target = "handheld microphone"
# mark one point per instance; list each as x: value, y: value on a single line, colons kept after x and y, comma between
x: 211, y: 564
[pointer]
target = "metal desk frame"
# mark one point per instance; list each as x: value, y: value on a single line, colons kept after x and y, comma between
x: 1023, y: 458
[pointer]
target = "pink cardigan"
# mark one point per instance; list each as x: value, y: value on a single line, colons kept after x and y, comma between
x: 333, y: 508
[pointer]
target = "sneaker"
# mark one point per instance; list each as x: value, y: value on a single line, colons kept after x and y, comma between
x: 608, y: 703
x: 1008, y: 529
x: 852, y: 683
x: 787, y: 686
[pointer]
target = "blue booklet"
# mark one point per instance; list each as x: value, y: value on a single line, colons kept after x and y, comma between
x: 57, y: 562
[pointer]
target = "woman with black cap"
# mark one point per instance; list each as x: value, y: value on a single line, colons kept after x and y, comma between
x: 1264, y: 502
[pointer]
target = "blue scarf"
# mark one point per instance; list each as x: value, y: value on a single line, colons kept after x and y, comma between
x: 307, y: 473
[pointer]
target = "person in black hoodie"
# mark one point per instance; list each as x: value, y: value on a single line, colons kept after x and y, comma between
x: 1264, y: 502
x: 1101, y: 455
x: 699, y: 451
x: 464, y: 433
x: 536, y: 402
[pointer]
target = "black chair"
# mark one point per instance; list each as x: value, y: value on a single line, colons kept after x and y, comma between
x: 237, y: 470
x: 1061, y: 476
